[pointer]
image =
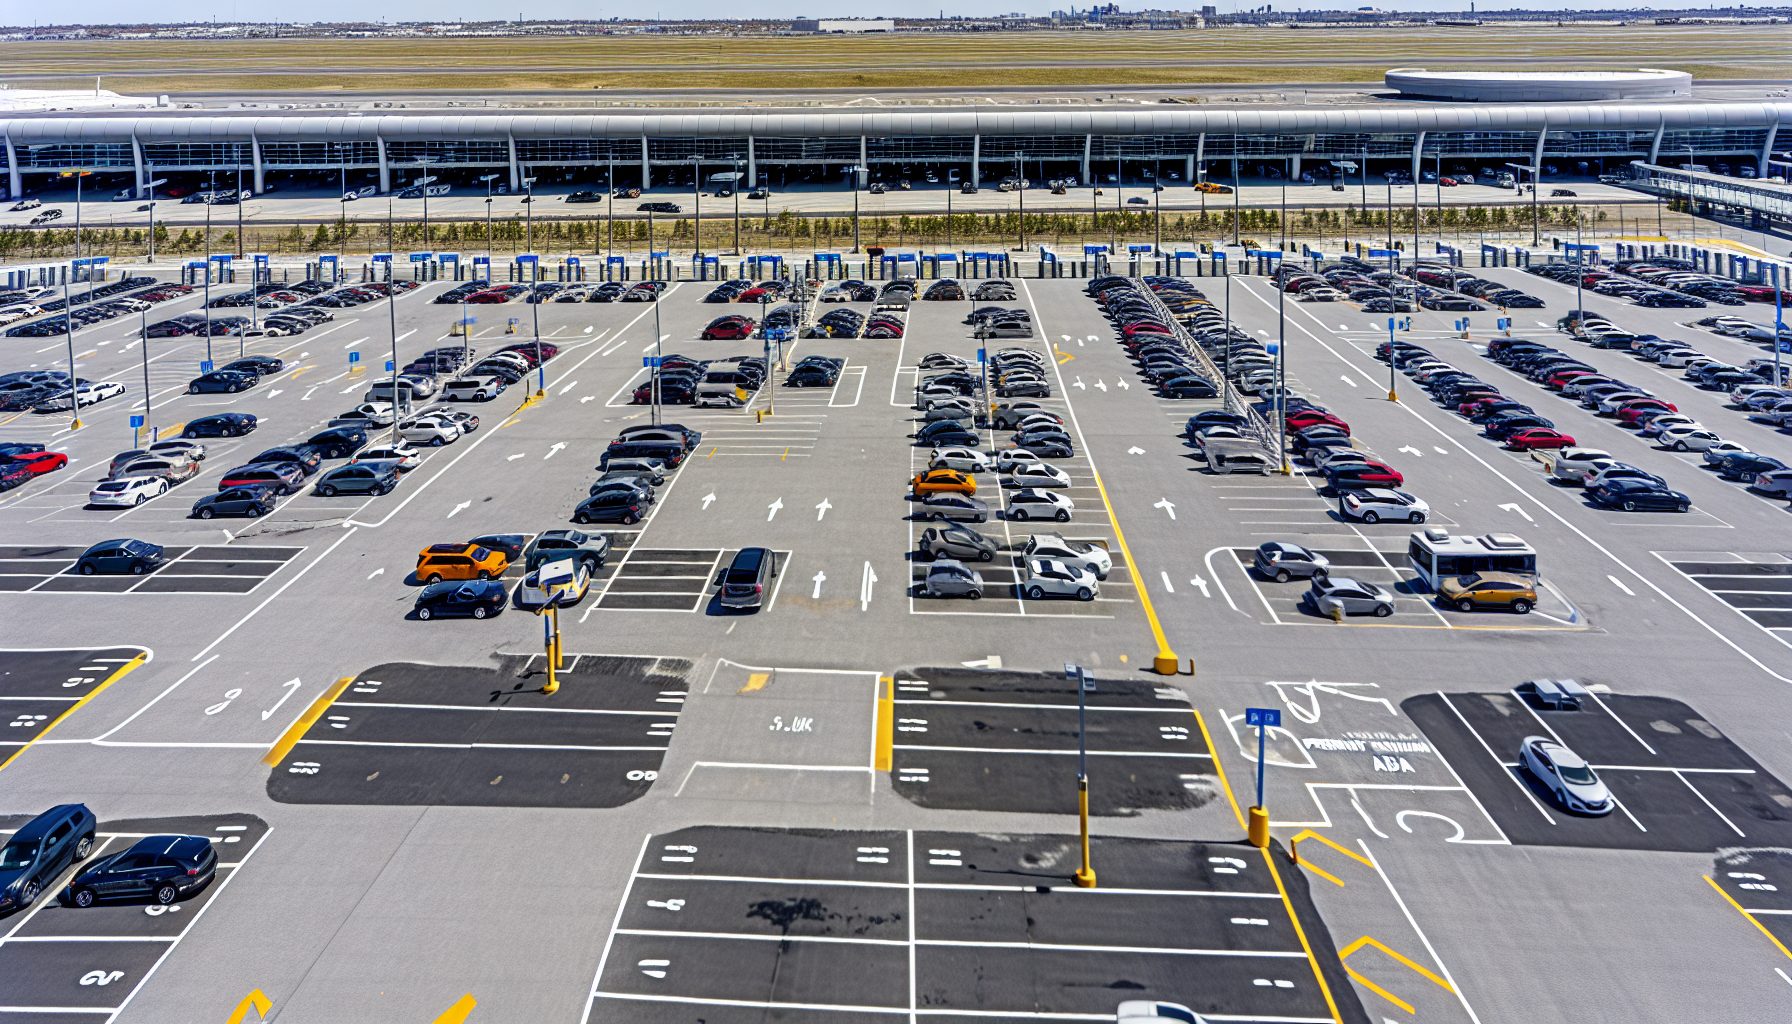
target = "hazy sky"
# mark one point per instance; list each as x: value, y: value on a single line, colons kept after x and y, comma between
x: 115, y: 11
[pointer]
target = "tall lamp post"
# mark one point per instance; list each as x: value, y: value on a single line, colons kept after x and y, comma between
x: 488, y: 213
x: 529, y: 214
x: 68, y: 308
x: 1085, y: 875
x: 151, y: 208
x: 736, y: 191
x: 423, y: 182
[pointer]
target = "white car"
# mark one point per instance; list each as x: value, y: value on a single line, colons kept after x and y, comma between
x: 530, y: 594
x: 1678, y: 357
x: 1741, y: 393
x: 269, y: 331
x: 20, y: 311
x: 965, y: 460
x: 1051, y: 577
x: 1374, y: 504
x: 86, y: 394
x: 1693, y: 438
x: 1042, y: 475
x: 128, y: 491
x: 472, y: 389
x: 1721, y: 450
x: 1029, y: 503
x: 380, y: 414
x: 1322, y: 295
x: 1573, y: 465
x: 1147, y: 1011
x: 429, y: 430
x: 408, y: 458
x: 1654, y: 427
x: 1038, y: 419
x: 1566, y: 775
x: 191, y: 449
x: 1092, y: 557
x: 1008, y: 459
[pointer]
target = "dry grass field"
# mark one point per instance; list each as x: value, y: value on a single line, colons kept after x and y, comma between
x: 1045, y: 60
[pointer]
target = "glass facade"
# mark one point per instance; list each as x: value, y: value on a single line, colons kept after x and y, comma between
x: 1036, y: 147
x: 792, y: 149
x: 482, y: 153
x: 722, y: 150
x: 578, y: 151
x: 920, y: 147
x: 1715, y: 140
x: 320, y: 154
x: 67, y: 157
x: 196, y: 154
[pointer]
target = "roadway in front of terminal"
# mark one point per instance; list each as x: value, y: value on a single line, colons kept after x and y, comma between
x: 424, y: 843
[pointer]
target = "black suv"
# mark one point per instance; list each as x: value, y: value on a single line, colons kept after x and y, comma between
x: 40, y: 850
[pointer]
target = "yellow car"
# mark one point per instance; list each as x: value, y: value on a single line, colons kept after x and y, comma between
x: 944, y: 481
x: 1213, y: 189
x: 440, y: 562
x: 1488, y: 590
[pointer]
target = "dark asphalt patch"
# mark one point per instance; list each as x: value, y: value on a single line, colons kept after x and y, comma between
x: 39, y: 686
x: 802, y: 922
x: 62, y: 956
x: 190, y: 570
x: 421, y: 734
x: 1760, y: 881
x: 1762, y: 591
x: 1688, y: 786
x: 995, y: 740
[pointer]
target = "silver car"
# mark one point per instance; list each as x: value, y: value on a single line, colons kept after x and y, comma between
x: 957, y: 507
x: 1092, y: 557
x: 948, y: 577
x: 1282, y: 562
x: 1566, y: 775
x: 960, y: 542
x: 1341, y: 595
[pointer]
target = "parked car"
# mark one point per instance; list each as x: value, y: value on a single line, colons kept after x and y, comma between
x: 124, y: 556
x: 1341, y: 595
x: 477, y: 598
x: 1515, y: 591
x: 745, y: 582
x: 1566, y: 775
x: 159, y: 868
x: 358, y: 478
x: 951, y: 578
x: 1283, y: 561
x: 228, y: 424
x: 38, y: 851
x: 1049, y: 577
x: 126, y: 491
x: 236, y: 501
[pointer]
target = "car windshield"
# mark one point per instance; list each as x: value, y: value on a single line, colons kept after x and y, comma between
x: 139, y: 547
x: 17, y: 854
x: 116, y: 485
x: 1580, y: 775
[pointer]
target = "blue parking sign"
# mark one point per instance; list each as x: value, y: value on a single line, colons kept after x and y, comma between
x: 136, y: 422
x: 353, y: 358
x: 1263, y: 717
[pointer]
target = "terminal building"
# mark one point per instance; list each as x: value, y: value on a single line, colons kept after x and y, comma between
x: 663, y: 147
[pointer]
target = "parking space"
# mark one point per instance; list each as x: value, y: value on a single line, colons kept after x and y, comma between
x: 996, y: 740
x: 63, y: 963
x: 1679, y: 783
x: 737, y: 925
x: 190, y: 570
x: 1758, y: 585
x: 38, y: 687
x: 1759, y: 880
x: 423, y: 734
x: 674, y: 580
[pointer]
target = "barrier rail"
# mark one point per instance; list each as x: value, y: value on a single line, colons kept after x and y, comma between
x: 1256, y: 427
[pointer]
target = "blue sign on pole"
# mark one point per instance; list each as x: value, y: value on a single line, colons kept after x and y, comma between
x: 1264, y: 719
x: 205, y: 366
x: 1390, y: 325
x: 353, y: 358
x: 389, y: 366
x: 981, y: 357
x: 650, y: 361
x: 136, y: 422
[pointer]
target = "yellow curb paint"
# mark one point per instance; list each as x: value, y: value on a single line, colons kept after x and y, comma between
x: 123, y: 670
x: 291, y: 737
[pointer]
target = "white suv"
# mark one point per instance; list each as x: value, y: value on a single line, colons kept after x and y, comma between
x: 472, y: 389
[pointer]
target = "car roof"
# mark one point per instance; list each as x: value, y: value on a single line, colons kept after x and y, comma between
x: 46, y: 821
x: 185, y: 847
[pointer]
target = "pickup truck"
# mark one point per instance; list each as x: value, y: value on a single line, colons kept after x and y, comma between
x: 1573, y: 465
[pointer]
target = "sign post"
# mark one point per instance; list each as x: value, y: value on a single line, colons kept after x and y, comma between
x: 1085, y: 875
x: 1264, y: 719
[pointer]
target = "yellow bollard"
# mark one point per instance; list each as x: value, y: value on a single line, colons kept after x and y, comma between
x: 1085, y: 875
x: 1258, y: 830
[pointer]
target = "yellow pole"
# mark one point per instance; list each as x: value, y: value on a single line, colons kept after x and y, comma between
x: 552, y: 656
x: 1085, y: 875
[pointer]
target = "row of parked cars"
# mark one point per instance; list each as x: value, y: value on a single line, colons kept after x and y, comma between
x: 1151, y: 339
x: 1659, y: 282
x: 108, y: 302
x: 639, y: 459
x: 478, y: 293
x: 744, y: 290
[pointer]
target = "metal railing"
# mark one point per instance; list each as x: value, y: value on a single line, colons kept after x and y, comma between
x: 1255, y: 426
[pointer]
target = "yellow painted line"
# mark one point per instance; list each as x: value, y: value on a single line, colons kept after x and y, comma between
x: 168, y: 432
x: 1346, y: 851
x: 1213, y: 757
x: 123, y: 670
x: 257, y: 999
x: 1301, y: 933
x: 1725, y: 243
x: 1377, y: 989
x: 89, y: 352
x: 1751, y: 918
x: 755, y: 682
x: 457, y: 1013
x: 784, y: 457
x: 712, y: 452
x: 1322, y: 873
x: 1165, y: 656
x: 291, y: 737
x: 14, y: 416
x: 886, y: 724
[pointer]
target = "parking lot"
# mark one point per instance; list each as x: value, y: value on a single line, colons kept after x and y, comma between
x: 38, y: 687
x: 62, y: 963
x: 418, y: 734
x: 815, y: 925
x: 1758, y: 586
x: 189, y: 570
x: 1678, y: 782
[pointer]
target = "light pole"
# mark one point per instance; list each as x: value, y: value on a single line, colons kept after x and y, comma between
x: 948, y: 216
x: 148, y: 402
x: 697, y: 205
x: 239, y: 210
x: 853, y: 180
x: 488, y: 215
x: 1020, y: 185
x: 610, y: 213
x: 153, y: 182
x: 68, y: 310
x: 736, y: 190
x: 1234, y: 199
x: 423, y: 182
x: 541, y: 366
x: 1085, y: 875
x: 529, y: 214
x: 392, y: 320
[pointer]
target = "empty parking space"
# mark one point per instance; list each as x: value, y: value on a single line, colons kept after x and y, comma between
x: 1679, y: 783
x: 734, y: 925
x: 1757, y: 585
x: 39, y: 687
x: 995, y: 740
x: 661, y: 579
x: 1759, y: 880
x: 62, y: 962
x: 423, y: 734
x: 189, y: 570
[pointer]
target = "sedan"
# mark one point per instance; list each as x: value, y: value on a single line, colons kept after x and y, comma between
x: 127, y: 492
x: 228, y: 424
x: 939, y: 481
x: 1538, y: 438
x: 1374, y: 504
x: 477, y: 598
x: 358, y: 478
x: 1337, y: 596
x: 236, y: 501
x: 956, y: 507
x: 1567, y: 776
x: 1689, y: 438
x: 957, y: 542
x: 1041, y: 475
x: 284, y: 477
x: 1638, y: 495
x: 1188, y: 387
x: 38, y: 463
x: 964, y: 460
x: 161, y: 868
x: 1091, y: 557
x: 1029, y: 503
x: 228, y: 381
x: 134, y: 557
x: 1488, y: 590
x: 1049, y: 576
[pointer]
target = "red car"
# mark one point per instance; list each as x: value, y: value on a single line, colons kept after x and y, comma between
x: 1561, y: 380
x: 1641, y: 411
x: 754, y: 295
x: 529, y: 350
x: 1312, y: 417
x: 1538, y: 437
x: 728, y: 328
x: 39, y: 463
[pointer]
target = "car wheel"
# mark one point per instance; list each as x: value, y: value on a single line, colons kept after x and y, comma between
x: 1679, y: 446
x: 437, y: 442
x: 326, y: 490
x: 1282, y: 576
x: 1035, y: 593
x: 189, y: 434
x: 137, y: 569
x: 84, y: 848
x: 28, y: 895
x: 630, y: 519
x: 479, y: 612
x: 1630, y: 506
x: 1063, y: 516
x: 166, y: 893
x: 1084, y: 594
x: 192, y: 389
x: 87, y: 568
x: 1382, y: 611
x: 140, y: 499
x: 424, y: 614
x: 1465, y: 605
x: 82, y: 897
x: 581, y: 518
x: 262, y: 510
x: 1521, y: 606
x: 1018, y: 513
x: 434, y: 577
x: 986, y: 556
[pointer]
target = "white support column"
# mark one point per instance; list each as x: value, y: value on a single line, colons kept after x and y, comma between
x: 1200, y: 154
x: 976, y: 158
x: 516, y: 171
x: 137, y: 163
x: 14, y: 181
x: 1418, y: 156
x: 1655, y: 146
x: 862, y: 176
x: 1537, y: 157
x: 646, y: 168
x: 1088, y: 148
x: 1188, y: 168
x: 1766, y: 150
x: 260, y: 171
x: 752, y: 167
x: 385, y: 168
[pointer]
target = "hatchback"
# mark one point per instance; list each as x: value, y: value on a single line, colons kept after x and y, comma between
x: 134, y: 557
x: 957, y: 542
x: 949, y: 578
x: 126, y: 491
x: 162, y: 868
x: 1488, y: 590
x: 1340, y: 595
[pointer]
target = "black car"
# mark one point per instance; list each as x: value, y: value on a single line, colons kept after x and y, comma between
x: 946, y: 433
x: 236, y: 501
x: 477, y: 598
x: 261, y: 366
x: 810, y: 377
x: 1024, y: 389
x: 14, y: 473
x: 227, y: 424
x: 358, y: 478
x: 585, y: 196
x: 1638, y: 495
x: 307, y: 461
x: 39, y: 850
x: 134, y: 557
x: 335, y: 443
x: 658, y: 208
x: 230, y: 381
x: 1505, y: 425
x: 1747, y: 466
x: 1188, y: 387
x: 160, y: 868
x: 744, y: 583
x: 618, y: 505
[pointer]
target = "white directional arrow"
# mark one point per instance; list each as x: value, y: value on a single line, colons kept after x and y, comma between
x: 1199, y: 582
x: 458, y: 509
x: 865, y: 583
x: 557, y: 446
x: 822, y: 509
x: 774, y: 506
x: 1411, y: 450
x: 1347, y: 380
x: 1078, y: 383
x: 1520, y: 511
x: 1135, y: 450
x: 274, y: 392
x: 518, y: 455
x: 292, y: 687
x: 1440, y: 451
x: 569, y: 387
x: 1167, y: 506
x: 820, y: 578
x: 307, y: 396
x: 1103, y: 385
x: 707, y: 498
x: 1122, y: 385
x: 587, y: 398
x: 376, y: 572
